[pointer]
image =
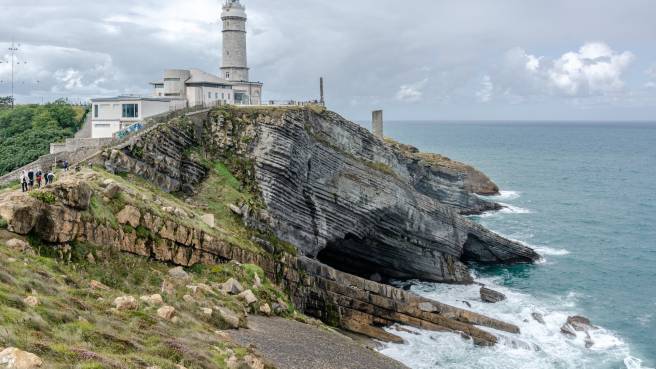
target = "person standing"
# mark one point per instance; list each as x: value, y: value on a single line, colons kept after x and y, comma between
x: 23, y: 180
x: 65, y: 165
x: 50, y: 177
x: 39, y: 178
x: 30, y: 179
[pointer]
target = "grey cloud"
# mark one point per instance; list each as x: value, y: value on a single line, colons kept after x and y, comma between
x: 373, y: 53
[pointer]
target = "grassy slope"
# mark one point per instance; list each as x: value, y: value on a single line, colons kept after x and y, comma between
x: 75, y: 324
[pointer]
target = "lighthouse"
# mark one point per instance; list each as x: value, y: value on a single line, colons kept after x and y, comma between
x: 235, y: 61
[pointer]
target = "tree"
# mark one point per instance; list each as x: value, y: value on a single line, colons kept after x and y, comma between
x: 6, y: 101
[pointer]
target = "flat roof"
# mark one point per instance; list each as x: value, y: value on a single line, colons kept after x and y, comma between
x: 131, y: 98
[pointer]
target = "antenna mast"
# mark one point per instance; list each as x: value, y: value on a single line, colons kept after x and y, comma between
x: 12, y: 50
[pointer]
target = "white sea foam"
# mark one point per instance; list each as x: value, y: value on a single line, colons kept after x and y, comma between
x: 549, y: 251
x: 507, y: 195
x: 504, y: 195
x: 537, y: 347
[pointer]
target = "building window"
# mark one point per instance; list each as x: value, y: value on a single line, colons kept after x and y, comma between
x: 130, y: 110
x: 227, y: 75
x: 172, y: 79
x: 95, y: 111
x: 209, y: 95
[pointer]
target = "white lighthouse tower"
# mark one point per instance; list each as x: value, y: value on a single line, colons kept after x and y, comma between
x: 234, y: 68
x: 235, y: 60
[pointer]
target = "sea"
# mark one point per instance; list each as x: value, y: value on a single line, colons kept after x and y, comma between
x: 582, y: 194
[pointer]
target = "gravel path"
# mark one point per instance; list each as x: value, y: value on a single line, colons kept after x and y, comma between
x: 292, y: 345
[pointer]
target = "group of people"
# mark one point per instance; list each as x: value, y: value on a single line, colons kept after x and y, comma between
x: 35, y: 177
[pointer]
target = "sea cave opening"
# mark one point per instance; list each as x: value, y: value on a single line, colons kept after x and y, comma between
x: 362, y: 257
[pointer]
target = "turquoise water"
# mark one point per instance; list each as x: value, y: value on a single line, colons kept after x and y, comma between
x: 582, y: 194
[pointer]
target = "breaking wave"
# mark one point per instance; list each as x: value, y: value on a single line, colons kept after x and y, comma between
x: 538, y: 346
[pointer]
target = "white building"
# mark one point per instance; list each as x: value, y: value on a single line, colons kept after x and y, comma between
x: 194, y: 88
x: 182, y: 88
x: 111, y: 115
x: 198, y: 88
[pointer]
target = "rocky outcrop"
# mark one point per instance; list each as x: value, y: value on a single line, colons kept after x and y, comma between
x: 334, y: 190
x: 338, y: 298
x: 491, y: 296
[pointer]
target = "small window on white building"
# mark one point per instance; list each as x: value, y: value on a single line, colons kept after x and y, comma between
x: 227, y: 75
x: 209, y: 95
x: 95, y: 110
x: 216, y: 95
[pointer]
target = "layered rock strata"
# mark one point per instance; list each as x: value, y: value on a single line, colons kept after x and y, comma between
x: 335, y: 191
x: 336, y: 297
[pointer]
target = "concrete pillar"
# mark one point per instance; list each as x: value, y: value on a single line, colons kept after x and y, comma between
x: 323, y: 100
x: 377, y: 123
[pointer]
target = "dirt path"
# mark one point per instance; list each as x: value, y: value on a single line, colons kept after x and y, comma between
x: 293, y: 345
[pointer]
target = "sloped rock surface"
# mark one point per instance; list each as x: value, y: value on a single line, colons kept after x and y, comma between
x: 340, y: 194
x: 335, y: 191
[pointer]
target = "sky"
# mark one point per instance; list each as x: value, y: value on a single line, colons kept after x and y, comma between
x: 417, y: 60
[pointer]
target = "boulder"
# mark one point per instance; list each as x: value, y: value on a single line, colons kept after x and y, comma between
x: 257, y: 282
x: 253, y: 362
x: 265, y: 309
x: 568, y: 330
x: 208, y: 219
x: 188, y: 299
x: 13, y: 358
x: 206, y: 311
x: 112, y: 190
x: 166, y: 312
x: 538, y: 318
x: 31, y: 301
x: 129, y: 215
x: 248, y: 296
x: 155, y: 300
x: 491, y: 296
x: 235, y: 209
x: 228, y: 316
x: 179, y: 273
x: 20, y: 246
x: 74, y: 193
x: 95, y: 285
x: 126, y: 303
x: 580, y: 323
x: 232, y: 287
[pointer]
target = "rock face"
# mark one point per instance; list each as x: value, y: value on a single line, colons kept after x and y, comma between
x: 348, y: 201
x: 338, y: 298
x: 337, y: 192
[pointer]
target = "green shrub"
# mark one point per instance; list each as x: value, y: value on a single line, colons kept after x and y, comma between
x: 3, y: 223
x: 44, y: 196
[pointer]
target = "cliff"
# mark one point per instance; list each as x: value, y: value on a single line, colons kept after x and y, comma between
x: 333, y: 190
x: 327, y: 211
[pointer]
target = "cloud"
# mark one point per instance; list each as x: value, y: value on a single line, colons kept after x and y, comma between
x: 370, y: 52
x: 594, y: 70
x: 484, y: 94
x: 651, y: 73
x: 412, y: 92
